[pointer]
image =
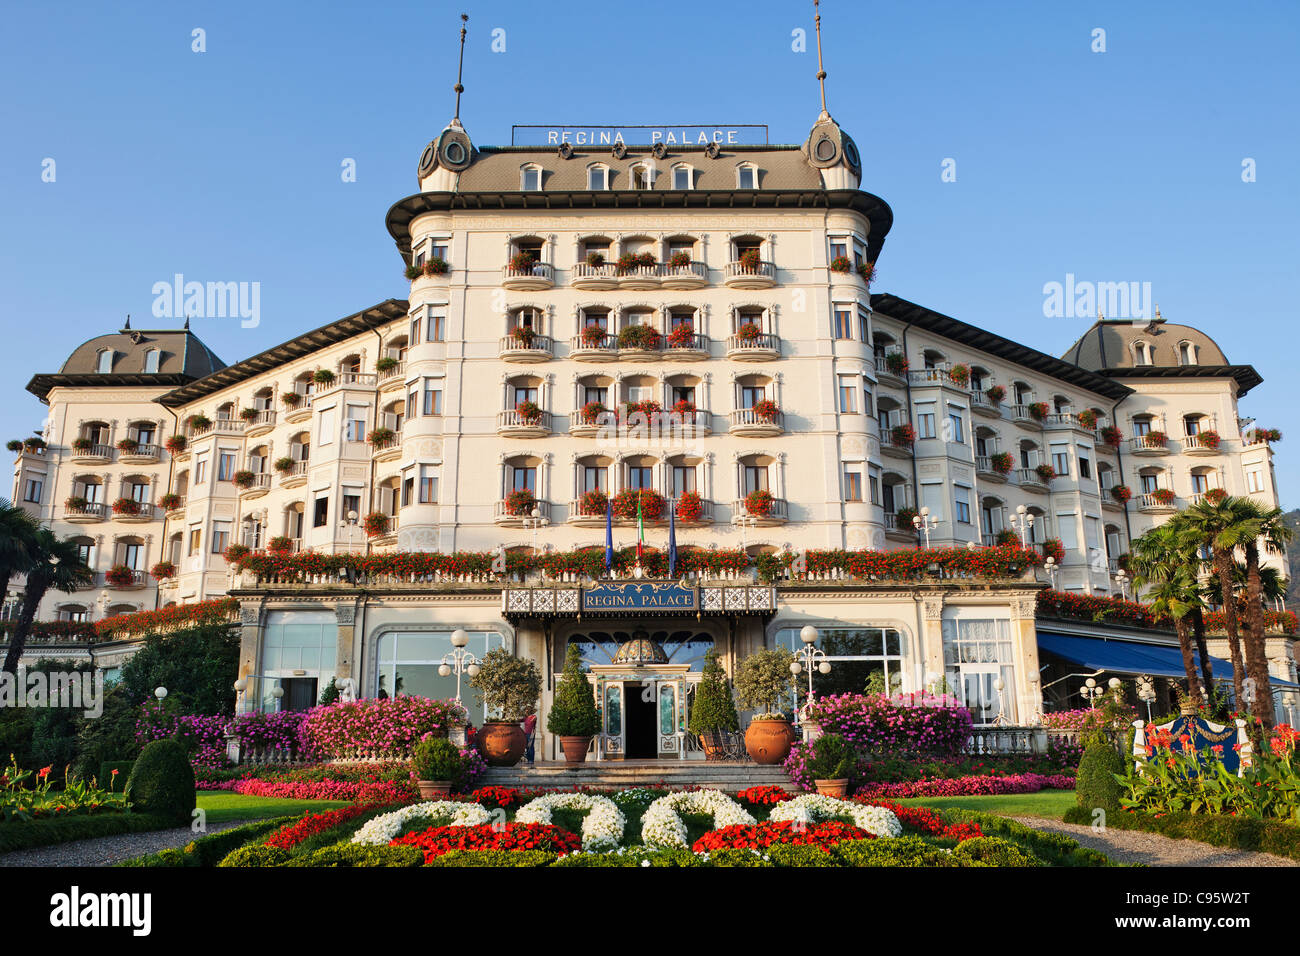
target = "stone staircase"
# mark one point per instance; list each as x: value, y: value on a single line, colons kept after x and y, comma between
x: 723, y: 775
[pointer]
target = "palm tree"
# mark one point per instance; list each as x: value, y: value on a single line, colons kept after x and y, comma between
x: 1223, y: 527
x: 1159, y: 562
x: 17, y: 532
x: 55, y: 563
x: 1275, y: 534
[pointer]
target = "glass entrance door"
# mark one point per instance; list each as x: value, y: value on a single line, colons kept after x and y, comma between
x: 979, y: 692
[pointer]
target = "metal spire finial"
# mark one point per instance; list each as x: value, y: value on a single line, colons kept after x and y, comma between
x: 821, y: 72
x: 460, y: 69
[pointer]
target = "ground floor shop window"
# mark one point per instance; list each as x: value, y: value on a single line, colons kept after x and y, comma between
x: 299, y: 656
x: 407, y: 664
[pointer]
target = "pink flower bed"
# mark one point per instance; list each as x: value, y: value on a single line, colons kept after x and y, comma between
x: 371, y: 792
x: 921, y: 724
x: 970, y: 786
x: 375, y: 728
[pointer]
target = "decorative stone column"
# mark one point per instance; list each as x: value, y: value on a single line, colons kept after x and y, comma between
x: 250, y: 645
x: 1024, y: 642
x: 932, y: 634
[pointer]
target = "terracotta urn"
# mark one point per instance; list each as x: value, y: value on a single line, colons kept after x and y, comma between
x: 837, y: 788
x: 502, y: 742
x: 434, y: 789
x: 768, y: 741
x: 575, y: 749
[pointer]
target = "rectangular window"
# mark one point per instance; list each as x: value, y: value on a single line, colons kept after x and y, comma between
x: 432, y: 398
x: 847, y: 395
x: 1141, y: 426
x: 220, y: 536
x: 868, y: 404
x: 843, y: 324
x: 414, y: 337
x: 1085, y: 463
x: 864, y: 326
x: 428, y: 484
x: 638, y: 477
x: 852, y: 484
x: 962, y: 512
x: 873, y: 484
x: 955, y: 424
x: 683, y: 479
x: 320, y: 513
x: 1061, y: 459
x: 593, y: 478
x: 408, y: 490
x: 32, y: 490
x: 200, y: 472
x: 351, y: 503
x: 437, y: 327
x: 1149, y: 483
x: 597, y: 393
x: 196, y: 540
x: 932, y: 497
x: 1255, y: 480
x: 356, y: 428
x: 924, y: 421
x: 225, y: 465
x: 748, y: 178
x: 532, y: 178
x: 1067, y: 532
x: 755, y: 478
x: 681, y: 178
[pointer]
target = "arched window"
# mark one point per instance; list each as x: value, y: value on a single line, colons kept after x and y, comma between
x: 530, y: 178
x: 746, y: 176
x: 151, y: 361
x: 597, y: 176
x: 1186, y: 353
x: 1141, y: 353
x: 639, y: 177
x: 105, y: 363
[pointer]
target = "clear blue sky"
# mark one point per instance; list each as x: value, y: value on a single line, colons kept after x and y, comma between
x: 225, y: 165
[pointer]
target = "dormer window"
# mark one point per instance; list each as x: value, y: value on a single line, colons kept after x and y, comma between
x: 151, y: 361
x: 746, y: 176
x: 597, y: 177
x: 639, y: 177
x: 683, y: 178
x: 1142, y: 353
x: 530, y: 178
x: 105, y: 364
x: 1186, y: 353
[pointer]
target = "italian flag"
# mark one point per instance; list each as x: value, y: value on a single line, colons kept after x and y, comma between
x: 640, y: 528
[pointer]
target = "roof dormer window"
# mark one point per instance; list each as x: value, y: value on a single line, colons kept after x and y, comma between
x: 105, y: 363
x: 746, y: 176
x: 683, y: 177
x: 151, y: 361
x: 530, y: 178
x: 1141, y: 353
x: 597, y: 177
x: 639, y: 177
x: 1186, y: 353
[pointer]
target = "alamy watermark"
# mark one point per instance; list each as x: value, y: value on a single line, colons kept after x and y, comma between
x: 1082, y: 299
x: 74, y: 690
x: 208, y: 300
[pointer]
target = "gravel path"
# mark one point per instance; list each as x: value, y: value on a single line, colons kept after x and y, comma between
x: 1138, y: 846
x: 105, y: 851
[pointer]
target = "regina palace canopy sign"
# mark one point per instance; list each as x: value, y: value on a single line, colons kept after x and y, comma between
x: 614, y: 598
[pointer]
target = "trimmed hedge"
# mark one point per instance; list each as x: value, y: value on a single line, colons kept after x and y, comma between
x: 528, y: 858
x: 256, y: 855
x: 354, y: 855
x: 633, y: 856
x: 26, y: 834
x: 211, y: 850
x: 162, y: 781
x: 993, y: 851
x: 1095, y: 784
x: 1236, y: 833
x: 1054, y: 849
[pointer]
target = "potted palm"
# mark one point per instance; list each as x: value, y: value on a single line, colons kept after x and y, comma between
x: 762, y: 680
x: 713, y: 715
x: 573, y: 716
x: 508, y: 687
x: 831, y: 765
x: 436, y: 763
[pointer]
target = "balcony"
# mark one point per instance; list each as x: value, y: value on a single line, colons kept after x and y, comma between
x: 260, y: 485
x: 922, y: 377
x: 229, y: 426
x: 896, y: 530
x: 692, y: 276
x: 737, y: 275
x: 515, y: 424
x: 386, y: 449
x: 984, y: 469
x: 705, y: 516
x: 85, y: 513
x: 261, y: 423
x: 1030, y: 480
x: 762, y: 347
x: 389, y: 536
x: 532, y: 278
x: 503, y: 517
x: 1157, y: 503
x: 177, y: 509
x: 1021, y: 415
x: 585, y: 517
x: 526, y: 349
x: 594, y: 278
x: 592, y: 348
x: 1153, y: 444
x: 693, y: 348
x: 132, y: 582
x: 638, y: 277
x: 778, y: 514
x: 579, y: 427
x: 392, y: 378
x: 1058, y: 420
x: 140, y: 455
x: 143, y: 512
x: 295, y: 475
x: 895, y: 447
x: 747, y: 423
x: 92, y: 455
x: 1199, y: 444
x: 347, y: 380
x: 981, y: 404
x: 293, y: 414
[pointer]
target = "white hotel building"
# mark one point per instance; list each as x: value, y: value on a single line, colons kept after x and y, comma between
x: 739, y: 245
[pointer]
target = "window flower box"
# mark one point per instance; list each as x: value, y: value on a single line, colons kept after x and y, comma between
x: 1002, y: 462
x: 1112, y: 436
x: 683, y: 407
x: 1155, y: 439
x: 960, y: 374
x: 902, y: 435
x: 520, y: 502
x: 592, y: 411
x: 169, y: 502
x: 689, y: 507
x: 291, y: 398
x: 381, y: 437
x: 748, y: 332
x: 1163, y: 496
x: 904, y: 517
x: 249, y: 414
x: 842, y: 264
x: 82, y: 444
x: 759, y: 503
x: 751, y: 260
x: 1208, y: 439
x: 1052, y: 548
x: 1037, y: 411
x: 530, y: 413
x: 680, y: 260
x: 163, y: 570
x: 243, y: 478
x: 868, y: 271
x: 625, y: 504
x: 649, y: 408
x: 643, y: 337
x: 126, y: 506
x: 682, y: 336
x: 523, y: 335
x: 128, y: 445
x: 593, y: 503
x: 766, y: 410
x: 323, y: 376
x: 120, y: 576
x: 593, y: 336
x: 435, y: 266
x: 1045, y: 471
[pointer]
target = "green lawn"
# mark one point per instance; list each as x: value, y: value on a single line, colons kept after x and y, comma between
x: 1044, y: 803
x: 223, y: 807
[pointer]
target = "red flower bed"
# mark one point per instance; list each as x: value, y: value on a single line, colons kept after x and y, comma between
x: 491, y: 836
x: 764, y: 796
x: 762, y: 835
x: 289, y: 837
x: 216, y: 611
x: 925, y: 821
x: 495, y: 796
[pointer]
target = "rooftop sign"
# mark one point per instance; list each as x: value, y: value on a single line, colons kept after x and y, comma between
x: 724, y: 135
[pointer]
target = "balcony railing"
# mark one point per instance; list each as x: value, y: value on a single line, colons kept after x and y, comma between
x: 538, y: 275
x: 260, y: 485
x: 142, y: 453
x: 1030, y: 478
x: 1199, y: 444
x: 584, y: 276
x: 980, y: 402
x: 510, y: 419
x: 764, y: 345
x: 90, y: 511
x: 144, y: 512
x: 1020, y: 413
x: 697, y: 344
x: 503, y: 516
x: 882, y: 366
x: 748, y: 421
x: 539, y: 346
x: 229, y: 426
x: 396, y: 372
x: 136, y: 580
x: 603, y: 347
x: 740, y: 276
x: 778, y: 513
x: 352, y: 380
x: 1156, y: 502
x: 297, y: 470
x: 264, y: 418
x: 94, y: 451
x: 693, y: 276
x: 1150, y: 444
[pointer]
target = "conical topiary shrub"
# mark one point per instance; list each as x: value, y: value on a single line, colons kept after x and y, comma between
x: 1096, y: 786
x: 162, y: 782
x: 714, y: 711
x: 573, y: 713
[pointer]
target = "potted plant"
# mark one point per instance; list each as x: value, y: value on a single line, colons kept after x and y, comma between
x: 522, y: 263
x: 15, y: 445
x: 690, y: 507
x: 323, y: 376
x: 523, y: 335
x: 1045, y: 471
x: 530, y: 413
x: 751, y: 260
x: 1215, y: 496
x: 436, y: 762
x: 280, y: 544
x: 626, y: 263
x: 82, y: 444
x: 1121, y: 493
x: 1208, y: 439
x: 759, y: 502
x: 842, y: 264
x: 896, y: 363
x: 593, y: 336
x: 960, y: 374
x: 291, y: 398
x: 243, y: 478
x: 684, y: 407
x: 284, y: 465
x: 595, y: 259
x: 867, y: 270
x: 592, y: 411
x: 520, y: 502
x: 163, y: 570
x: 199, y: 422
x: 177, y: 444
x: 680, y: 260
x: 1052, y: 548
x: 643, y: 337
x: 75, y: 503
x: 436, y: 266
x: 128, y: 445
x: 995, y: 394
x: 713, y: 714
x: 902, y: 435
x: 509, y: 687
x: 413, y: 272
x: 762, y: 680
x: 169, y: 501
x: 1038, y: 411
x: 650, y: 501
x: 1001, y: 462
x: 385, y: 364
x: 381, y: 437
x: 235, y: 553
x: 376, y: 524
x: 1155, y: 439
x: 1088, y: 418
x: 682, y: 336
x: 766, y: 410
x: 573, y: 716
x: 1007, y: 537
x: 126, y: 506
x: 748, y: 332
x: 1164, y: 496
x: 593, y: 502
x: 649, y: 408
x: 120, y: 576
x: 832, y: 765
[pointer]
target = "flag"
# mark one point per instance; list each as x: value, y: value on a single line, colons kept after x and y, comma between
x: 640, y: 528
x: 609, y: 536
x: 672, y: 541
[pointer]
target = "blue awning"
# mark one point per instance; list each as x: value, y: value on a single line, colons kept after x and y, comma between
x: 1132, y: 657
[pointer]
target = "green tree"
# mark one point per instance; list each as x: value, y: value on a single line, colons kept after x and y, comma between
x: 1163, y: 562
x: 713, y: 708
x: 507, y: 685
x: 55, y: 563
x: 17, y: 541
x: 763, y: 679
x: 198, y: 666
x: 573, y: 713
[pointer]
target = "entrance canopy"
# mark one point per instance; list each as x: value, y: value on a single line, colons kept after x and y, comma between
x: 1132, y: 657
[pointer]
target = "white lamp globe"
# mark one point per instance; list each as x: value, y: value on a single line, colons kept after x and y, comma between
x: 796, y: 667
x: 277, y: 692
x: 472, y: 670
x: 444, y: 671
x: 160, y: 692
x: 824, y: 667
x: 459, y: 638
x: 241, y: 685
x: 808, y: 634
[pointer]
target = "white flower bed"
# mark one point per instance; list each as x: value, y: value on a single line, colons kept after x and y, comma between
x: 662, y: 824
x: 602, y: 828
x: 382, y: 829
x: 813, y: 808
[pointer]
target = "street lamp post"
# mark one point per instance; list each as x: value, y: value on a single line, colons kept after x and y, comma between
x: 924, y: 523
x: 1022, y: 521
x: 745, y: 521
x: 459, y: 661
x: 809, y: 658
x: 1050, y: 567
x: 534, y: 521
x: 1122, y: 578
